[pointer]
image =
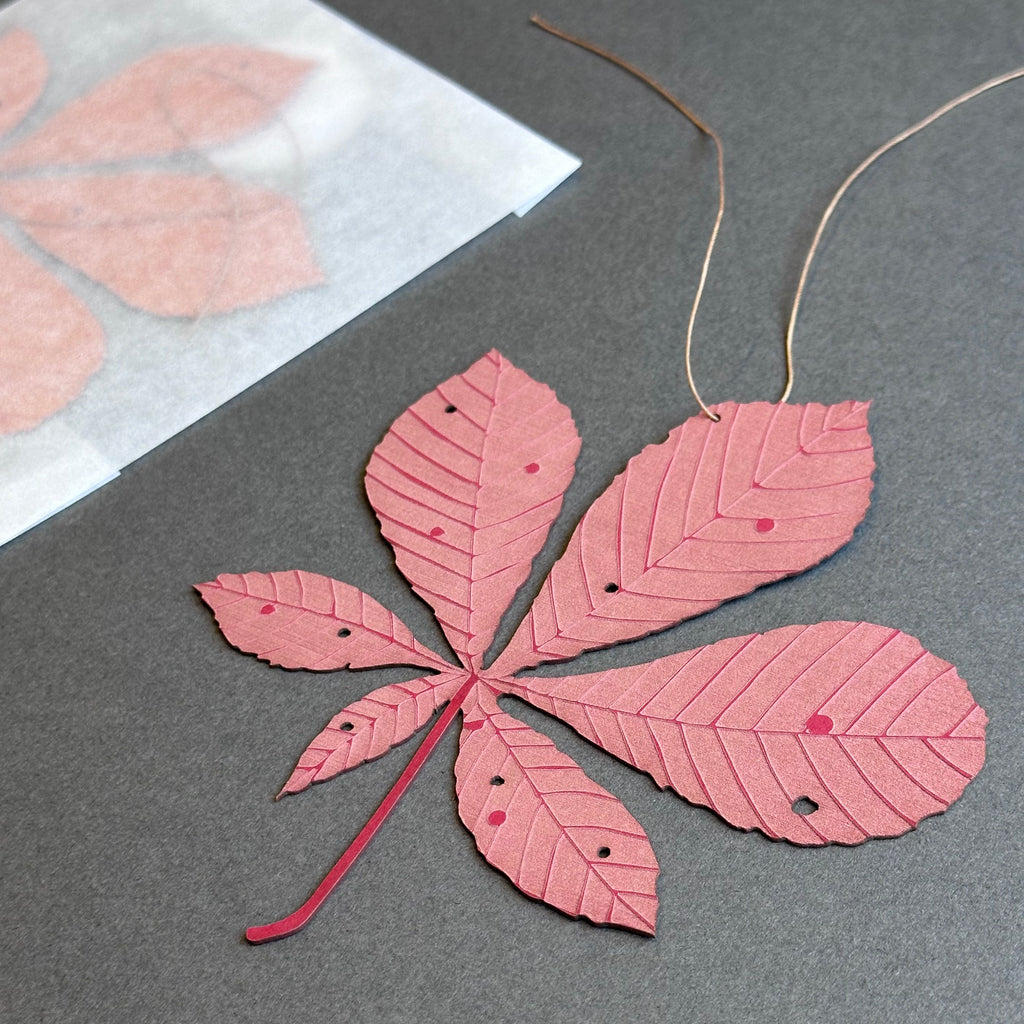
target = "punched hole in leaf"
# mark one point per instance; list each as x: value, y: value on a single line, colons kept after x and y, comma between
x: 344, y: 631
x: 604, y: 852
x: 804, y: 805
x: 450, y: 409
x: 346, y: 727
x: 610, y: 588
x: 497, y: 781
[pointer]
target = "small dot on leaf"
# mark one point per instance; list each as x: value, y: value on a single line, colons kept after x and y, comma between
x: 819, y: 725
x: 532, y: 468
x: 496, y: 817
x: 437, y: 531
x: 267, y: 609
x: 764, y: 525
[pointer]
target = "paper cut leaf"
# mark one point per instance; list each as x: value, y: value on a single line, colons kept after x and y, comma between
x: 303, y: 620
x: 370, y: 727
x: 540, y: 820
x: 466, y: 484
x: 51, y: 343
x: 711, y: 513
x: 171, y: 244
x: 859, y: 719
x: 23, y: 74
x: 856, y: 721
x: 174, y: 100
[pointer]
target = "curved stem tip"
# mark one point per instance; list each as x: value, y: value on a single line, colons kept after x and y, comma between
x: 300, y: 918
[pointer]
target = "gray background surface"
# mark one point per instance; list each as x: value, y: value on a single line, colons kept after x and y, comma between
x: 140, y: 752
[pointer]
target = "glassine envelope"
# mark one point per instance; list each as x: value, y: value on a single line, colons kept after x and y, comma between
x: 192, y: 195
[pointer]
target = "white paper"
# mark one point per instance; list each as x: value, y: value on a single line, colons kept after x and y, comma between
x: 392, y: 166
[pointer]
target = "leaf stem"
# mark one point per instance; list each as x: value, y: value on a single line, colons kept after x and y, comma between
x: 300, y: 918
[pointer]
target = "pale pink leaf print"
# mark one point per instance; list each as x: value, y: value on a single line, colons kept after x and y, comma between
x: 709, y: 514
x: 175, y: 100
x: 171, y: 244
x: 857, y: 718
x: 51, y: 344
x: 303, y: 620
x: 370, y: 727
x: 540, y: 820
x: 466, y: 484
x: 23, y: 74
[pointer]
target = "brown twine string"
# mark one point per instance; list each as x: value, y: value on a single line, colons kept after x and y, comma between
x: 829, y: 210
x: 698, y: 123
x: 992, y: 83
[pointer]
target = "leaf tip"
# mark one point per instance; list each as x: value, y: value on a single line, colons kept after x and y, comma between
x: 296, y: 783
x: 855, y: 407
x: 205, y: 589
x: 637, y: 914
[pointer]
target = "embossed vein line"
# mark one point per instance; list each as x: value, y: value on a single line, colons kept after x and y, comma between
x: 743, y: 789
x: 696, y: 477
x: 910, y: 703
x: 970, y: 712
x: 913, y: 778
x: 425, y: 484
x: 801, y: 675
x: 693, y: 768
x: 874, y: 789
x: 889, y: 683
x: 785, y: 791
x: 729, y: 661
x: 946, y: 760
x: 485, y: 444
x: 803, y: 445
x: 763, y: 446
x: 452, y: 400
x: 669, y: 464
x: 532, y: 696
x: 755, y: 680
x: 724, y: 461
x: 824, y: 785
x: 430, y: 429
x: 446, y: 598
x: 619, y: 533
x: 447, y: 470
x: 591, y: 870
